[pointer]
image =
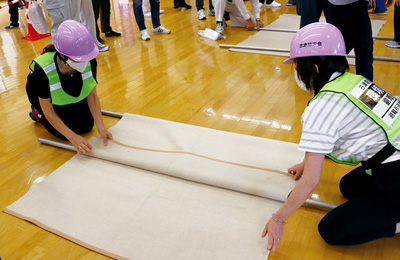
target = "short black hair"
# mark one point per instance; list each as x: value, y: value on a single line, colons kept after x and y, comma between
x: 327, y: 65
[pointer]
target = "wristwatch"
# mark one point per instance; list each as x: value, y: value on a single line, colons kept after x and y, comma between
x: 258, y: 19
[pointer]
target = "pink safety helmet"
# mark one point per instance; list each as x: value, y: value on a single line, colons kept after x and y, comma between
x: 74, y: 40
x: 317, y: 39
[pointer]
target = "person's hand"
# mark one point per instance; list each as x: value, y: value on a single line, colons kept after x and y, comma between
x: 397, y: 3
x: 274, y: 231
x: 81, y: 145
x: 297, y: 170
x: 259, y: 24
x: 250, y: 25
x: 105, y: 135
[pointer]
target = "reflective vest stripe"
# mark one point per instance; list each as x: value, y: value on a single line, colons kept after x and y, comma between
x: 55, y: 86
x: 87, y: 75
x: 49, y: 68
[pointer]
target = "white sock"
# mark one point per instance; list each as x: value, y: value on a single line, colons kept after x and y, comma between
x: 398, y: 228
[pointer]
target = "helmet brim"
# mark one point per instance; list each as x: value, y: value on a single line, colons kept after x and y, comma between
x: 291, y: 60
x: 87, y: 57
x: 288, y: 61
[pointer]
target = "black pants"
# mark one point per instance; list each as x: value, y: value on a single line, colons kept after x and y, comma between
x: 76, y: 117
x: 354, y: 23
x: 373, y: 208
x: 102, y: 8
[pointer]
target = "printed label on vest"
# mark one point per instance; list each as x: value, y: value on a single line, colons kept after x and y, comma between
x: 382, y: 104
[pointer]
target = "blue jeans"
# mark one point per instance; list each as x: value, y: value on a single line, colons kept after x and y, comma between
x: 155, y: 13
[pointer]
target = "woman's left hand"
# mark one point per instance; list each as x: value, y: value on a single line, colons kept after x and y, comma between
x: 275, y: 232
x: 105, y: 135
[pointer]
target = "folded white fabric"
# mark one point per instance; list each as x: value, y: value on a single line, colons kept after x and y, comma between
x: 211, y: 34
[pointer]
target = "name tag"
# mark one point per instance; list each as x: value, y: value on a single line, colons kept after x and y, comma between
x: 381, y: 103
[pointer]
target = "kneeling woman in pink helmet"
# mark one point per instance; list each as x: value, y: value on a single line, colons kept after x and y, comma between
x: 352, y: 121
x: 62, y: 86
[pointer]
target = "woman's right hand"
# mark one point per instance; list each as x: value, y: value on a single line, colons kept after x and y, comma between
x: 297, y: 170
x: 81, y: 145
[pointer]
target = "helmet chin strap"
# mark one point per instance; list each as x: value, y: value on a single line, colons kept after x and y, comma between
x: 63, y: 59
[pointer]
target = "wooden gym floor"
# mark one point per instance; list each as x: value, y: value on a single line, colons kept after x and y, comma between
x: 180, y: 77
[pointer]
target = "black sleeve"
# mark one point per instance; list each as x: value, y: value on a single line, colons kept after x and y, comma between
x: 37, y: 84
x: 93, y: 64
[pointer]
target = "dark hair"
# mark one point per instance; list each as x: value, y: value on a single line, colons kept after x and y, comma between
x: 49, y: 48
x: 327, y: 65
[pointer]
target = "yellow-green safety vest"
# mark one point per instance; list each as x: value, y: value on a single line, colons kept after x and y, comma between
x: 58, y: 95
x: 376, y: 103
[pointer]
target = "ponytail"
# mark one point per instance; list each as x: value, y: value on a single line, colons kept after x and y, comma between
x: 49, y: 48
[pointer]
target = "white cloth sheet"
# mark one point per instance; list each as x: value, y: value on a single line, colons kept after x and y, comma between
x: 124, y: 208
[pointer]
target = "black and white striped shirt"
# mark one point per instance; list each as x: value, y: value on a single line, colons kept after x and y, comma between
x: 333, y: 124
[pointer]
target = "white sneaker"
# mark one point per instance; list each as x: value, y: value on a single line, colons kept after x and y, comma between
x: 274, y: 4
x: 211, y: 12
x: 145, y: 35
x: 201, y: 15
x: 161, y: 30
x: 261, y: 4
x: 161, y: 11
x: 220, y: 28
x: 393, y: 44
x: 103, y: 47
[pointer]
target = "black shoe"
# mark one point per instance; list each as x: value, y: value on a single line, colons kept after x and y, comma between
x: 112, y: 33
x: 181, y: 3
x: 34, y: 115
x: 100, y: 40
